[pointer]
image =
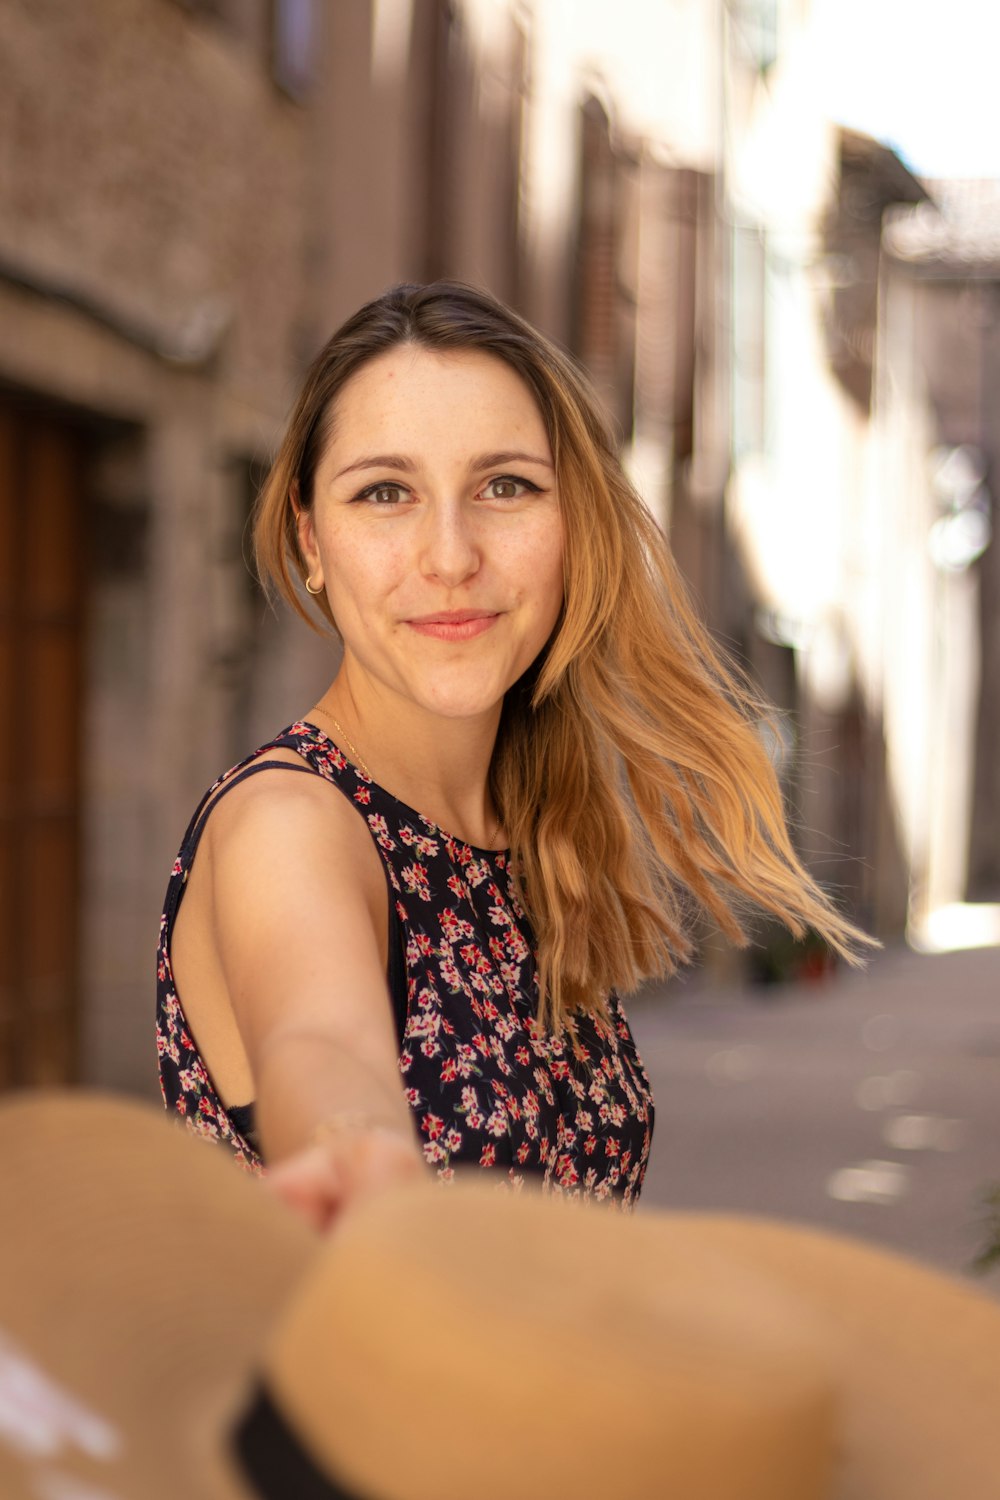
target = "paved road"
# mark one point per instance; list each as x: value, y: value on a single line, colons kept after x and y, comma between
x: 867, y: 1103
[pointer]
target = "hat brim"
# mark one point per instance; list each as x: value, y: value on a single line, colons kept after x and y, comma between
x: 921, y: 1383
x: 140, y: 1273
x: 493, y: 1343
x: 551, y: 1349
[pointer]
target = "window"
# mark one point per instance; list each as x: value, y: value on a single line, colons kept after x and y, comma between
x: 293, y: 43
x: 214, y: 8
x: 755, y: 28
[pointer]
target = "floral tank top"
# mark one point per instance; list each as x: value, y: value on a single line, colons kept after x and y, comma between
x: 485, y: 1083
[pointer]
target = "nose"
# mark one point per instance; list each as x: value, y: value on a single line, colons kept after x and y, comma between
x: 450, y: 550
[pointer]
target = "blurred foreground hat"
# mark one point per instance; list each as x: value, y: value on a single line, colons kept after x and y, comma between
x: 919, y: 1356
x: 168, y: 1329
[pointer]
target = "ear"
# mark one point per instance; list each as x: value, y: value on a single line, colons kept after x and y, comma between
x: 306, y: 533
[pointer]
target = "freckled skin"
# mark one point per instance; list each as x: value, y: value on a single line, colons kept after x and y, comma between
x: 452, y: 528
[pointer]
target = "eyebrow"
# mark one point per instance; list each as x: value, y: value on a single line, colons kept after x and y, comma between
x: 407, y: 466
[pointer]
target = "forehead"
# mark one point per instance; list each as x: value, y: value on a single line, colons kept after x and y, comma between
x: 425, y: 398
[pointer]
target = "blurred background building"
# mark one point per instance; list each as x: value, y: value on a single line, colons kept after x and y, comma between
x: 795, y: 335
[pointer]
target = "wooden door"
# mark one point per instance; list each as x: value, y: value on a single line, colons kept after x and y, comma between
x: 42, y: 573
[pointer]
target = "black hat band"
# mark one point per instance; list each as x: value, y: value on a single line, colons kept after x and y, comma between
x: 275, y: 1462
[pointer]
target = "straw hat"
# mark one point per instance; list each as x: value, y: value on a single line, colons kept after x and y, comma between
x: 921, y: 1387
x: 647, y: 1348
x: 452, y: 1343
x: 167, y: 1328
x: 138, y: 1277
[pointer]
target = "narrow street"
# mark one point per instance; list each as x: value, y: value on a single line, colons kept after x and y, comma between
x: 868, y: 1103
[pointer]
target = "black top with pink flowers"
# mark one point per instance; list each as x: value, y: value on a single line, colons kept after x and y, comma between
x: 486, y: 1085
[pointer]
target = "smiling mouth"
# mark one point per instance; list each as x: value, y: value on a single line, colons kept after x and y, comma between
x: 455, y: 625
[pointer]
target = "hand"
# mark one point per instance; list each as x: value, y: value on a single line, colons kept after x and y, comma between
x: 323, y: 1180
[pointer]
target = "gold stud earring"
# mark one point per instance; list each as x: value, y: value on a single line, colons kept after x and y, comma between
x: 310, y: 590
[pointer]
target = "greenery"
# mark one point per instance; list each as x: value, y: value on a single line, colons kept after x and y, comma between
x: 780, y: 958
x: 989, y: 1256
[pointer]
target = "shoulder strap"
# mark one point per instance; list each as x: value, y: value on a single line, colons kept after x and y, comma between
x: 197, y: 825
x: 396, y: 969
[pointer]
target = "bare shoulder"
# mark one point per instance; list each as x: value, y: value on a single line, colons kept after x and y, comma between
x: 295, y: 903
x: 288, y: 854
x: 290, y: 815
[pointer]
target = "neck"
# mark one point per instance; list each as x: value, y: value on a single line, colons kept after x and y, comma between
x: 439, y: 766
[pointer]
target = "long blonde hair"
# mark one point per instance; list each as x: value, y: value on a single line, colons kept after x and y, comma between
x: 629, y: 769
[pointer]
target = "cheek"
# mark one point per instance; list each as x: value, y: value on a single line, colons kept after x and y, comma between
x: 362, y: 568
x: 546, y: 562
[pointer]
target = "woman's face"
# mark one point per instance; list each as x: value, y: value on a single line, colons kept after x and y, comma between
x: 435, y: 528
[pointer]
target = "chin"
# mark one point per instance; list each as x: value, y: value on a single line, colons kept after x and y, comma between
x: 459, y: 708
x: 459, y: 700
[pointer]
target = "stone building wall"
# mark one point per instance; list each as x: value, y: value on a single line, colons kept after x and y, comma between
x: 154, y: 229
x: 185, y: 214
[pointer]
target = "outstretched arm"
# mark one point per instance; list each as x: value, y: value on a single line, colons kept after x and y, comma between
x: 299, y: 918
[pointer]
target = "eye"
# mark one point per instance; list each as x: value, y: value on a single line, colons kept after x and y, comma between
x: 383, y: 494
x: 508, y: 487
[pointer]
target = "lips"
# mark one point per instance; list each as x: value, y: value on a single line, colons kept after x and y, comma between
x: 453, y: 617
x: 454, y: 624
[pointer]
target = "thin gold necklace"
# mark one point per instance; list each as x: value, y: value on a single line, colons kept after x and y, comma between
x: 359, y: 762
x: 343, y: 735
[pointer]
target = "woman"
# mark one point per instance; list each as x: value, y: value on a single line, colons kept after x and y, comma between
x: 530, y: 767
